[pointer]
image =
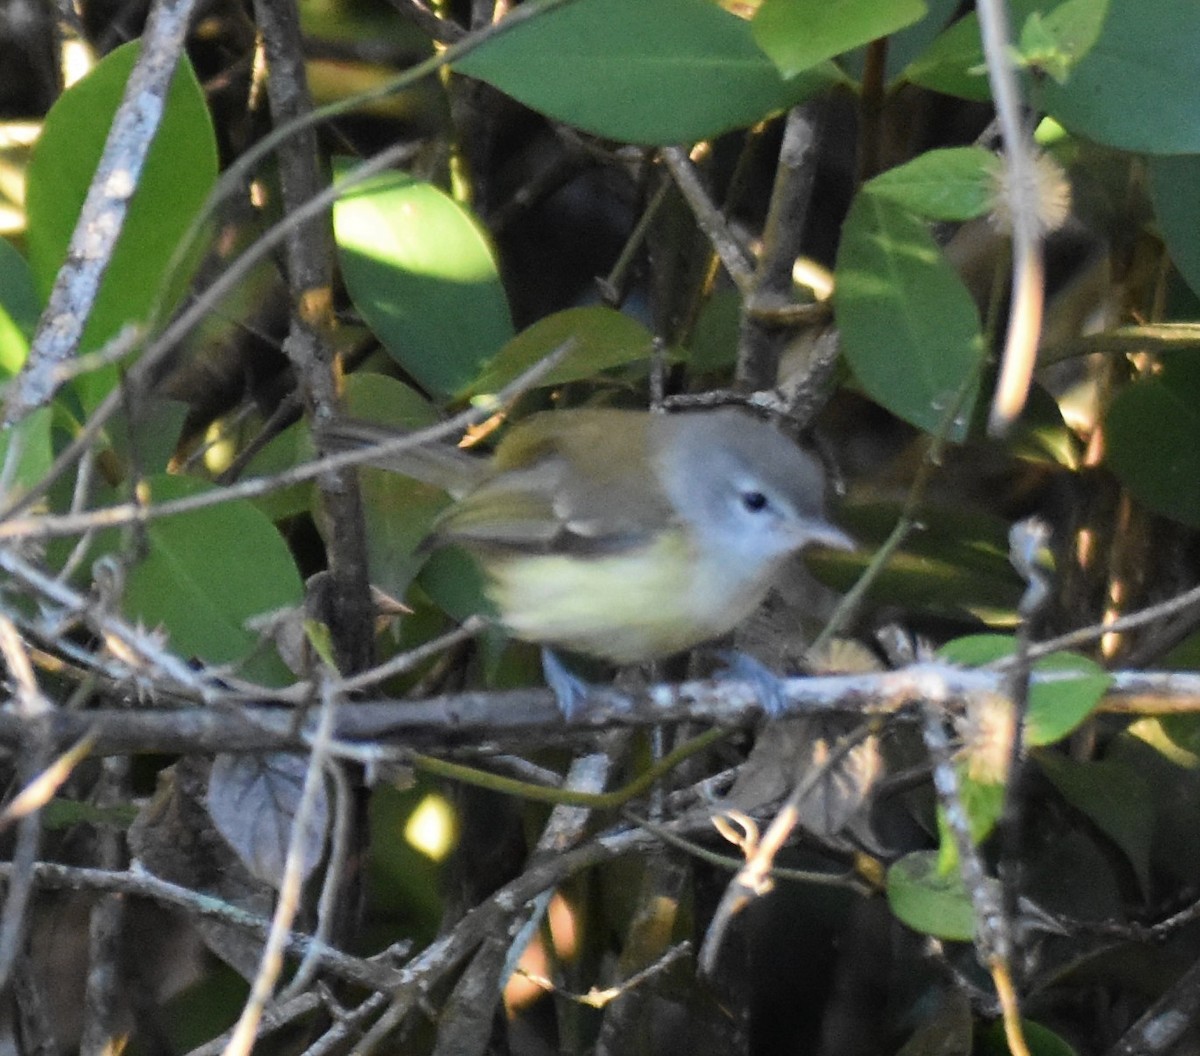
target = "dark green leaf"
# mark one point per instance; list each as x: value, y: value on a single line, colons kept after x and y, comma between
x: 421, y: 271
x: 1137, y: 88
x: 1175, y: 188
x: 715, y: 338
x: 602, y: 338
x: 798, y: 34
x: 674, y: 71
x: 1041, y: 1041
x: 953, y: 63
x: 207, y: 573
x: 179, y: 172
x: 928, y: 901
x: 953, y: 184
x: 1153, y: 432
x: 909, y: 328
x: 1115, y: 797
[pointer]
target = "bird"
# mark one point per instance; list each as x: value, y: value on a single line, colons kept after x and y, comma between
x: 622, y: 535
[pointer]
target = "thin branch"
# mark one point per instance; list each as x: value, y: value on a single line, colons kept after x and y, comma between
x: 102, y: 217
x: 709, y: 218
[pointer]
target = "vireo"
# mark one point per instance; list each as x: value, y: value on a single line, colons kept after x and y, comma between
x: 624, y: 535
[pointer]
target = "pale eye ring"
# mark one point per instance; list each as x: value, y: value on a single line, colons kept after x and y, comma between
x: 754, y: 501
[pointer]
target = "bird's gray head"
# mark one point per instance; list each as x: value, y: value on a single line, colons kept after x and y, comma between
x: 743, y: 487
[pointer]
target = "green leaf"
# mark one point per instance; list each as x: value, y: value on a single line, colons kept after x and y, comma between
x: 422, y: 272
x: 1041, y: 1041
x: 674, y: 71
x: 1055, y: 707
x: 929, y: 901
x: 954, y: 184
x: 953, y: 63
x: 958, y: 565
x: 714, y: 340
x: 1153, y: 431
x: 398, y: 510
x: 909, y: 328
x: 983, y: 802
x: 208, y: 572
x: 1115, y: 797
x: 1056, y: 40
x: 180, y: 170
x: 1175, y: 190
x: 1053, y: 37
x: 798, y: 34
x: 32, y: 434
x: 20, y: 307
x: 1137, y: 87
x: 602, y: 338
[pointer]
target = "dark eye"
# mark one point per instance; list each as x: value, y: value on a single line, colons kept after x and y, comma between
x: 754, y: 501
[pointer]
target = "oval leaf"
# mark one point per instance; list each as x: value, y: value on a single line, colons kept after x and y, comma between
x: 421, y: 271
x: 602, y: 338
x: 179, y: 173
x: 1136, y: 88
x: 1175, y: 188
x: 207, y: 573
x: 1055, y: 707
x: 1152, y: 429
x: 910, y: 330
x: 954, y: 184
x: 1116, y: 798
x: 674, y: 71
x: 929, y: 901
x: 399, y: 511
x: 798, y: 34
x: 253, y: 800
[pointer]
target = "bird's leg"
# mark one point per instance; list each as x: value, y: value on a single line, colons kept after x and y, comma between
x: 569, y: 689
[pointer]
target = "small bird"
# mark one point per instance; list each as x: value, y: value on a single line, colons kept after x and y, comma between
x: 626, y: 536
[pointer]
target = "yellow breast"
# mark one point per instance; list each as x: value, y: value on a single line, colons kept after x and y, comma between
x: 625, y: 608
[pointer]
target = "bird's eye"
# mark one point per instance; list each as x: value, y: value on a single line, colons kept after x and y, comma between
x: 754, y: 501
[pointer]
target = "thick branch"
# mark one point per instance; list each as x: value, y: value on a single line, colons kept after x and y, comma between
x: 528, y: 716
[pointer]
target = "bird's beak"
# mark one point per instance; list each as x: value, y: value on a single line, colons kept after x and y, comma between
x: 822, y: 533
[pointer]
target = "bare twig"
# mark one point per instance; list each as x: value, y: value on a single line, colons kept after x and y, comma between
x: 735, y: 258
x: 271, y: 962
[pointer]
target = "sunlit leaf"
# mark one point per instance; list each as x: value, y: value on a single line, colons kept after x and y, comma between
x: 422, y: 272
x: 798, y: 34
x: 180, y: 170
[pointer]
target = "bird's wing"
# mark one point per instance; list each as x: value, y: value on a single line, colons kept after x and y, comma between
x: 560, y: 492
